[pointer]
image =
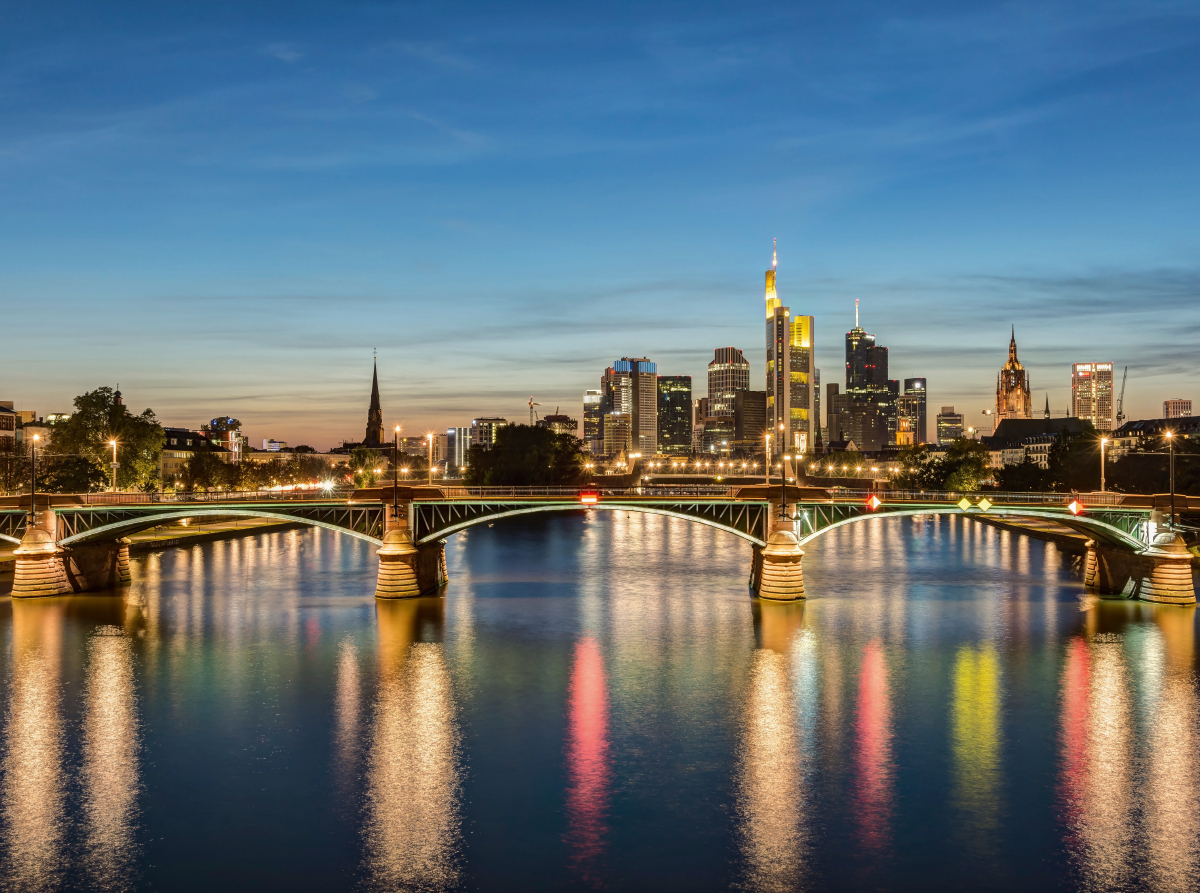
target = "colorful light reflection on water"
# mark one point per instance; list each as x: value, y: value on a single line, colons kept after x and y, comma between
x: 597, y: 702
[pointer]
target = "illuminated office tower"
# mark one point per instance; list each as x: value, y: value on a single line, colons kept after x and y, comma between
x: 630, y: 387
x: 1092, y: 394
x: 593, y: 423
x: 949, y: 425
x: 675, y: 414
x: 791, y: 374
x: 915, y: 408
x: 728, y: 373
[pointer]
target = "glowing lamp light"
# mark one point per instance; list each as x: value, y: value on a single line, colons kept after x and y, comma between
x: 1075, y: 507
x: 873, y: 502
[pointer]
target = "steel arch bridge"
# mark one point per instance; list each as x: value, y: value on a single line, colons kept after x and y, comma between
x: 78, y: 526
x: 747, y: 519
x: 1123, y: 528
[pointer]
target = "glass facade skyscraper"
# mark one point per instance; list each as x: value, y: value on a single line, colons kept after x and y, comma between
x: 675, y: 414
x: 728, y: 373
x: 791, y: 374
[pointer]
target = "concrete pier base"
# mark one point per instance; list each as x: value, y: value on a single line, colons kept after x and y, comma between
x: 1162, y: 572
x: 39, y: 568
x: 407, y: 570
x: 777, y: 572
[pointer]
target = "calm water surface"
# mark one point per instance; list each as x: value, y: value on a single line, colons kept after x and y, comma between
x: 597, y: 702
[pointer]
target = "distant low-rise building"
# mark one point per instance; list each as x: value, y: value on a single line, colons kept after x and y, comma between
x: 483, y: 431
x: 1151, y: 432
x: 559, y: 423
x: 179, y: 445
x: 949, y: 425
x: 272, y: 445
x: 8, y: 427
x: 1177, y: 408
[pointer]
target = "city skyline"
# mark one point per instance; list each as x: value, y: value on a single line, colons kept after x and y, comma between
x: 259, y: 200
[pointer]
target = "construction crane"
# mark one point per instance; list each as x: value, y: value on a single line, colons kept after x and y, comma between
x: 1121, y: 399
x: 532, y: 414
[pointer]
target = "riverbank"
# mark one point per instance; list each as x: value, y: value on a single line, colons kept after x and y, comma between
x: 168, y: 536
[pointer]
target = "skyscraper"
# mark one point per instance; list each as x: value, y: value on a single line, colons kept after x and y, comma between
x: 867, y: 411
x: 630, y: 387
x: 728, y: 373
x: 1012, y: 387
x: 915, y: 388
x: 675, y: 414
x: 1092, y: 393
x: 791, y: 373
x: 593, y: 423
x: 374, y: 435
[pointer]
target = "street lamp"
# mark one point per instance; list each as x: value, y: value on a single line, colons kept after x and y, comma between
x: 1171, y: 443
x: 767, y: 463
x: 396, y: 476
x: 113, y: 444
x: 783, y: 486
x: 430, y: 460
x: 33, y: 481
x: 1103, y: 444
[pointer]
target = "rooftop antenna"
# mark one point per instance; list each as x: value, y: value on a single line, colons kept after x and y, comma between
x: 774, y: 253
x: 856, y: 313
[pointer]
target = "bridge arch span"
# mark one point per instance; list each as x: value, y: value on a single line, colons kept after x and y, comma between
x: 144, y: 522
x: 467, y: 523
x: 1091, y: 527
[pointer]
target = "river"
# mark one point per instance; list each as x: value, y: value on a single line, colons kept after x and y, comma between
x: 597, y: 702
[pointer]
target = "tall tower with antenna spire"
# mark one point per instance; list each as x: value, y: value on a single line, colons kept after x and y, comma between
x: 374, y: 436
x: 792, y: 405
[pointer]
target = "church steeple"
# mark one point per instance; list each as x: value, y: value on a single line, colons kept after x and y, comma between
x: 1047, y: 405
x: 1012, y: 347
x: 374, y: 436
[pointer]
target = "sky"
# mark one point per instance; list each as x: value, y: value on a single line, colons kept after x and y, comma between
x: 225, y: 208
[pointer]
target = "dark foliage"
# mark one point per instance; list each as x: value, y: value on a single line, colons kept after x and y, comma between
x: 527, y: 456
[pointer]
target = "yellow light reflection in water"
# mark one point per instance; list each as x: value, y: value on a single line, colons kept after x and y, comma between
x: 412, y: 833
x: 770, y: 783
x: 347, y: 709
x: 977, y: 745
x: 34, y: 779
x: 110, y: 761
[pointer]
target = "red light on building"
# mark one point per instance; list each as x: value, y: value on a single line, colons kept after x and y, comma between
x: 589, y: 497
x: 873, y: 502
x: 1075, y: 506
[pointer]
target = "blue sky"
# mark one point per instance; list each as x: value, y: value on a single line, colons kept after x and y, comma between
x: 225, y: 207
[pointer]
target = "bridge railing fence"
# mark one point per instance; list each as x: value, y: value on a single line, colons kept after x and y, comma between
x: 559, y: 492
x: 170, y: 498
x: 996, y: 498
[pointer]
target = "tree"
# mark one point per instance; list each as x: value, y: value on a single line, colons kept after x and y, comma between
x: 303, y: 448
x: 527, y: 456
x: 1024, y: 477
x: 962, y: 468
x: 205, y: 471
x: 98, y: 419
x: 70, y: 474
x: 1075, y: 461
x: 366, y: 465
x: 14, y: 465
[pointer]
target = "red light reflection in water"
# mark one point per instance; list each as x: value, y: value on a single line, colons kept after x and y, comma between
x: 588, y: 769
x: 1075, y: 731
x: 873, y: 752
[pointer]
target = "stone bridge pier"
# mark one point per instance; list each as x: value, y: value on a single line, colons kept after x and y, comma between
x: 1162, y: 572
x: 406, y: 569
x: 777, y: 571
x: 43, y: 567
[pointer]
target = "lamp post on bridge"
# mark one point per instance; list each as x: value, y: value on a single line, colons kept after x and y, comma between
x: 767, y: 462
x: 33, y: 481
x: 113, y: 444
x: 396, y: 475
x: 429, y: 437
x: 783, y: 485
x: 1171, y: 444
x: 1103, y: 444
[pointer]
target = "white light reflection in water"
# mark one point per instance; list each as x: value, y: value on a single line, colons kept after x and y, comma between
x: 412, y: 834
x: 111, y: 740
x: 771, y: 789
x: 34, y: 778
x: 347, y: 746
